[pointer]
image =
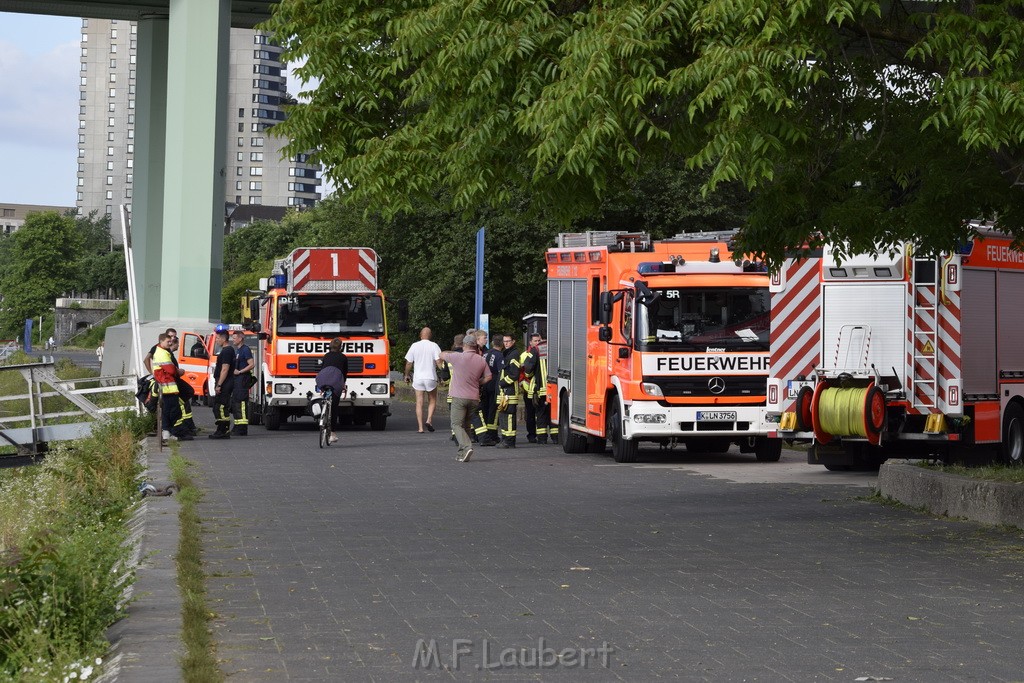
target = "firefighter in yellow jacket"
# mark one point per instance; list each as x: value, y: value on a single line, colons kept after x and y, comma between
x: 508, y: 393
x: 535, y: 395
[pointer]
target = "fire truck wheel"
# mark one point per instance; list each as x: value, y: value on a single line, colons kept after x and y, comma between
x: 379, y: 420
x: 767, y: 450
x: 571, y: 442
x: 272, y: 419
x: 622, y: 450
x: 1012, y: 448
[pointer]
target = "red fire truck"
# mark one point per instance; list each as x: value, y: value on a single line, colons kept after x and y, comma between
x: 313, y: 296
x: 661, y: 341
x: 901, y: 354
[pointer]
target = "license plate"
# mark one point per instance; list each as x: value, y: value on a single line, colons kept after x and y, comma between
x: 716, y: 416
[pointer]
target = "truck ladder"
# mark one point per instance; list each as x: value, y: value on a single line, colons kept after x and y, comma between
x: 924, y: 289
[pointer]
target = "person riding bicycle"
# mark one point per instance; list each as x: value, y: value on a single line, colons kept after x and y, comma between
x: 333, y: 369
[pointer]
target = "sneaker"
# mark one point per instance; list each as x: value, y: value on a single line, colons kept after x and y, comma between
x: 333, y: 439
x: 166, y: 435
x: 503, y: 444
x: 467, y: 455
x: 219, y: 435
x: 542, y: 439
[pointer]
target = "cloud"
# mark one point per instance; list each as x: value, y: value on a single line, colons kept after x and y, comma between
x: 40, y: 102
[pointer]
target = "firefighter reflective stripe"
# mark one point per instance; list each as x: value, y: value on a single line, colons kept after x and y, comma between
x: 537, y: 385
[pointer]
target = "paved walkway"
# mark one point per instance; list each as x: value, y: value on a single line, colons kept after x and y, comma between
x: 346, y: 564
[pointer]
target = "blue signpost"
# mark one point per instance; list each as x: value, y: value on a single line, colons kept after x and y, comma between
x: 28, y: 335
x: 478, y: 308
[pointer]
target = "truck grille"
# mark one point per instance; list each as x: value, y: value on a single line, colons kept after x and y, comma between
x: 698, y: 386
x: 311, y: 364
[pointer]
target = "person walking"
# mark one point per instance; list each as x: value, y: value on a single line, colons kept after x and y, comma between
x: 421, y: 372
x: 333, y: 372
x: 224, y: 383
x: 469, y: 373
x: 99, y: 354
x: 244, y: 363
x: 166, y: 375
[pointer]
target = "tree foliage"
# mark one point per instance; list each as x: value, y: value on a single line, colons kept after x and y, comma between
x: 40, y: 263
x: 856, y: 120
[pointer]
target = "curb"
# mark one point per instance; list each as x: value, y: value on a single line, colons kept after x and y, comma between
x: 952, y: 495
x: 146, y: 643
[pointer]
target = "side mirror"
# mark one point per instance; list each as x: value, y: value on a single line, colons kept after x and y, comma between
x: 604, y: 333
x: 263, y: 336
x: 254, y: 310
x: 604, y: 308
x: 254, y: 327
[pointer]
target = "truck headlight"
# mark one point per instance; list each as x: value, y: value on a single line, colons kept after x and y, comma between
x: 649, y: 418
x: 651, y: 389
x: 379, y: 388
x: 284, y: 388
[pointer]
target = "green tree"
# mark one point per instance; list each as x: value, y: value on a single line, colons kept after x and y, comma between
x: 41, y: 263
x: 865, y: 122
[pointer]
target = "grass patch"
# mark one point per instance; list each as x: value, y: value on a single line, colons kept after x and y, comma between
x: 1003, y: 473
x: 199, y: 662
x: 64, y: 556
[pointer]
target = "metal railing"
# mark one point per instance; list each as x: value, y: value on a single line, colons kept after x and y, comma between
x: 54, y: 404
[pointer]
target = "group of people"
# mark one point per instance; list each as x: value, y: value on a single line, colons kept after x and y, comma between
x: 233, y: 378
x: 486, y: 387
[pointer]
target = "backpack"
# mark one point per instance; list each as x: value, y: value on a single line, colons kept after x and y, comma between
x: 444, y: 373
x: 146, y: 393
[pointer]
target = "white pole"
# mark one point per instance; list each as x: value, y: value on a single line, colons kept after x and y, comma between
x: 133, y: 300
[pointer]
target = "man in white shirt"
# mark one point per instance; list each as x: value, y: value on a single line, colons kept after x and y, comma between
x: 421, y: 371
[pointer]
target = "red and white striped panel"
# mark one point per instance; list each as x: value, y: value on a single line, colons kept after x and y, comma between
x: 920, y: 362
x: 334, y: 269
x: 796, y: 323
x: 949, y: 354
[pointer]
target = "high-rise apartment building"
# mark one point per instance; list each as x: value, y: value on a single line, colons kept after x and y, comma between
x: 255, y: 172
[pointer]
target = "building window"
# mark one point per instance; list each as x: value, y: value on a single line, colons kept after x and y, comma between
x: 110, y: 136
x: 256, y: 156
x: 256, y: 185
x: 113, y: 63
x: 131, y: 148
x: 255, y: 170
x: 113, y: 92
x: 85, y: 52
x: 110, y: 151
x: 110, y: 194
x: 238, y: 170
x: 81, y: 182
x: 131, y: 74
x: 85, y: 37
x: 81, y: 124
x: 128, y: 178
x: 241, y: 142
x: 85, y: 23
x: 81, y: 152
x: 238, y: 199
x: 238, y: 185
x: 81, y: 196
x: 131, y: 59
x: 108, y: 209
x: 131, y: 163
x: 113, y: 78
x: 113, y: 33
x: 81, y: 168
x: 113, y: 48
x: 132, y: 44
x: 110, y: 121
x: 241, y: 112
x: 131, y: 119
x: 81, y: 139
x: 131, y: 104
x: 83, y: 80
x: 81, y: 95
x: 135, y: 29
x: 110, y: 107
x: 110, y: 165
x: 128, y: 193
x: 239, y: 156
x: 241, y: 127
x: 131, y: 133
x: 257, y: 142
x: 131, y: 88
x: 254, y: 200
x: 110, y: 180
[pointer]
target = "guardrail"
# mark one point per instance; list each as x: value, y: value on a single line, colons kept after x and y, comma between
x: 50, y: 418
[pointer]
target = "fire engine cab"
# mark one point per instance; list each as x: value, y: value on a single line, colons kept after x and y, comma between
x: 900, y: 354
x: 313, y: 296
x: 662, y: 341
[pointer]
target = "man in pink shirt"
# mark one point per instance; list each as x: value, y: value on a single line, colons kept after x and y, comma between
x: 469, y: 372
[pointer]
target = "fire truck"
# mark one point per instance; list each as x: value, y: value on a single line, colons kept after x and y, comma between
x: 660, y: 341
x: 902, y: 354
x: 311, y: 297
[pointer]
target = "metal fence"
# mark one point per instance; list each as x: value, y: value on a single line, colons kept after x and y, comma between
x: 55, y: 409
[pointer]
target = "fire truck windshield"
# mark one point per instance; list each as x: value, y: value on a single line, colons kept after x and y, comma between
x: 316, y: 314
x: 726, y: 318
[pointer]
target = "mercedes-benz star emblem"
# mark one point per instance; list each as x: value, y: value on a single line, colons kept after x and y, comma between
x: 716, y: 385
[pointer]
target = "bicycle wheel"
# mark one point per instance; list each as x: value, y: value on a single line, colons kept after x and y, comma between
x: 325, y: 425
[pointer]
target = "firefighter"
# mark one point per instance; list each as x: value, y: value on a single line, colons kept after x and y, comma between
x: 508, y: 393
x: 224, y: 383
x: 166, y: 374
x: 535, y: 392
x: 244, y: 363
x: 485, y: 424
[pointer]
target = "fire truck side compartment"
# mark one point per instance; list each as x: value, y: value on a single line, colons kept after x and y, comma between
x: 977, y: 330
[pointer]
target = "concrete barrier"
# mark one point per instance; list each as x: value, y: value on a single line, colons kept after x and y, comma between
x: 953, y: 495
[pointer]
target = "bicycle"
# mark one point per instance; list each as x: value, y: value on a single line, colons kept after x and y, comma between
x: 324, y: 426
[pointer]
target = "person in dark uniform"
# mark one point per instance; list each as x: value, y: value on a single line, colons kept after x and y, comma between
x: 244, y: 363
x: 508, y: 393
x: 333, y: 372
x: 224, y: 382
x: 486, y: 423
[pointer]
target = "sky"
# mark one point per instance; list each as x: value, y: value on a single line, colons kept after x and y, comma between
x: 39, y: 81
x: 39, y: 63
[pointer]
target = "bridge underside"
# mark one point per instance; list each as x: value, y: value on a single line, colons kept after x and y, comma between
x: 180, y: 146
